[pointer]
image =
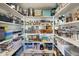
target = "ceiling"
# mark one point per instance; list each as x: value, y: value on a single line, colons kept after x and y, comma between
x: 38, y: 5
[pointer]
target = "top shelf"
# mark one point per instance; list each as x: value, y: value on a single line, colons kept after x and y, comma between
x: 39, y: 16
x: 10, y: 10
x: 65, y: 9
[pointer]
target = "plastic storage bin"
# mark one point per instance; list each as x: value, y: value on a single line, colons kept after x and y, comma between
x: 46, y: 12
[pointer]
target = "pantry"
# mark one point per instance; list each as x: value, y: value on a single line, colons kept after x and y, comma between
x: 39, y: 29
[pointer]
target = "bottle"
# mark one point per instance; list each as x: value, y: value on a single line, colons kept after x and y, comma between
x: 30, y: 12
x: 69, y: 18
x: 41, y: 47
x: 76, y: 15
x: 49, y: 45
x: 2, y: 35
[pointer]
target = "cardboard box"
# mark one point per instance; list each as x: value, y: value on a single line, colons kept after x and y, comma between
x: 37, y: 12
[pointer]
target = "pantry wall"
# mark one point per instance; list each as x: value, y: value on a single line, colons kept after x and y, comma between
x: 41, y: 29
x: 39, y: 33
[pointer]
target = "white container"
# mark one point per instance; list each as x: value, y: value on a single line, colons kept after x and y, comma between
x: 37, y: 12
x: 74, y: 36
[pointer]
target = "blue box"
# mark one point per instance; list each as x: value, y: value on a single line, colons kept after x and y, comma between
x: 46, y: 12
x: 8, y: 33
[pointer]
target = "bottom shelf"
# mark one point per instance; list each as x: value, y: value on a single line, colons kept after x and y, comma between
x: 72, y: 51
x: 12, y: 50
x: 34, y: 52
x: 67, y: 49
x: 10, y: 53
x: 62, y: 51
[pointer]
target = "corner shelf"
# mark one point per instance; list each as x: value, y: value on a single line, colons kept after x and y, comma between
x: 73, y: 42
x: 11, y: 52
x: 67, y: 49
x: 2, y: 22
x: 7, y: 8
x: 72, y: 52
x: 6, y: 41
x: 66, y: 8
x: 73, y: 23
